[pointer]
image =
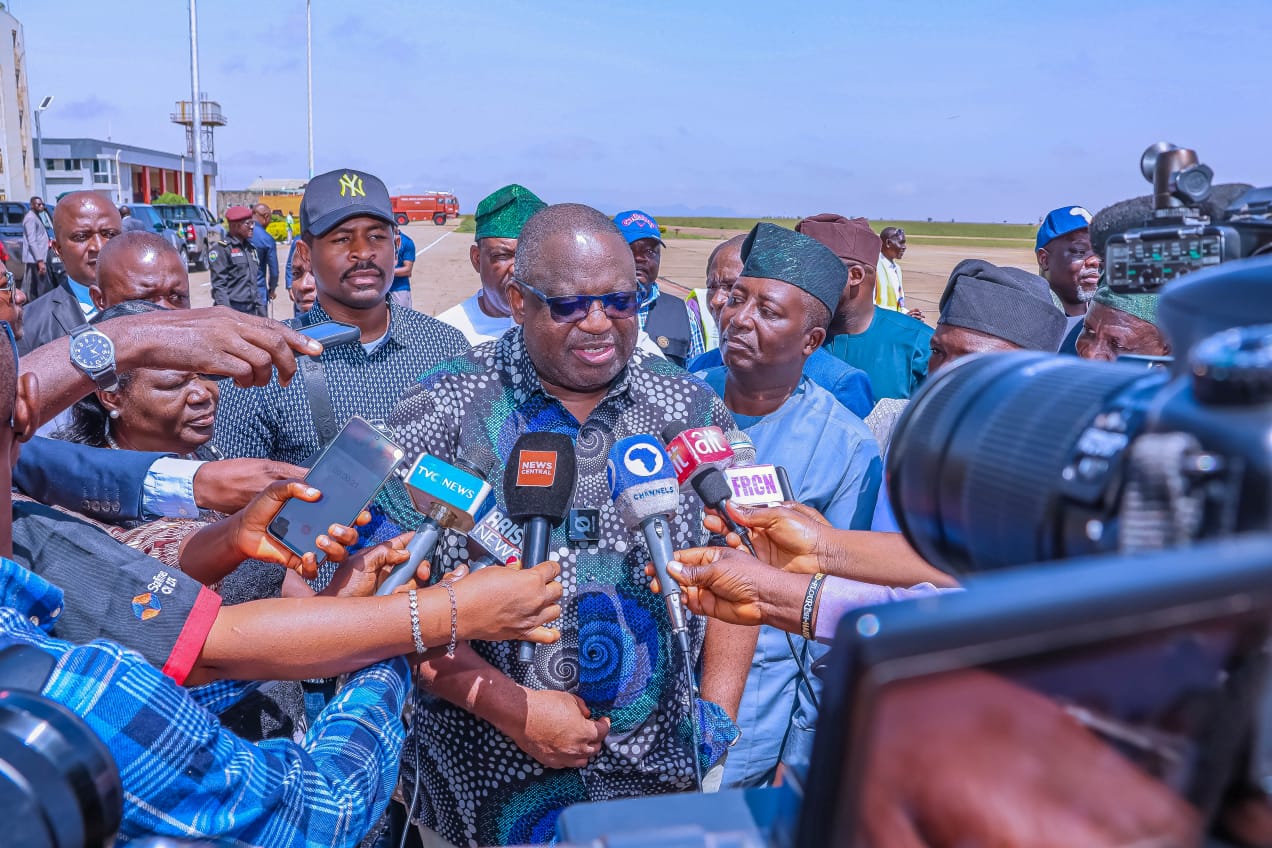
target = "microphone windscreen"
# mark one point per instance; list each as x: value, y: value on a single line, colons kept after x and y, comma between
x: 673, y: 430
x: 641, y: 480
x: 1118, y: 218
x: 712, y: 487
x: 539, y: 478
x: 742, y: 446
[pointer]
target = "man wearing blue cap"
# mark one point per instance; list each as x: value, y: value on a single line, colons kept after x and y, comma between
x: 663, y: 318
x: 1069, y: 264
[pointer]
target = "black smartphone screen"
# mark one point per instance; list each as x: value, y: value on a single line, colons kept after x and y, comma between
x: 348, y: 473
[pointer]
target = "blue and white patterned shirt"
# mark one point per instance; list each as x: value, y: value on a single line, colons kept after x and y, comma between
x: 184, y: 775
x: 273, y: 422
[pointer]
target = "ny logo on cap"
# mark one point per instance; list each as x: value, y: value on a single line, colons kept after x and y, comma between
x: 351, y: 184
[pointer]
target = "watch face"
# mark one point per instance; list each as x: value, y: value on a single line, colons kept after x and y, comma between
x: 92, y: 351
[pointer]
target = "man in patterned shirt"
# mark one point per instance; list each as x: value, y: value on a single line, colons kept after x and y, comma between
x: 347, y: 236
x: 504, y: 746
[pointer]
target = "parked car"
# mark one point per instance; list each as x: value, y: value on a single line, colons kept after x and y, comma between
x: 153, y: 220
x: 11, y: 214
x: 197, y: 228
x: 436, y: 206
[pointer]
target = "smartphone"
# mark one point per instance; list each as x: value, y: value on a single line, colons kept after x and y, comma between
x: 348, y: 472
x: 331, y: 333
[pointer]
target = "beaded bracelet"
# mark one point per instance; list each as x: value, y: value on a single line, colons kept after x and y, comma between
x: 454, y: 636
x: 810, y: 604
x: 415, y: 622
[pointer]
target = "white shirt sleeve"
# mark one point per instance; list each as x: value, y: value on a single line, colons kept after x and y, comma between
x: 168, y: 489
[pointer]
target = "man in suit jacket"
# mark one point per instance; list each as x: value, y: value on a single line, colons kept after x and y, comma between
x: 35, y: 250
x: 82, y: 223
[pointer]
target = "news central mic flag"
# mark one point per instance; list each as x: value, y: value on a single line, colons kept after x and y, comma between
x: 539, y: 478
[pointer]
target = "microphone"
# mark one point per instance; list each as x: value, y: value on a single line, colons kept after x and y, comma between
x: 643, y: 485
x: 498, y: 537
x: 700, y: 455
x: 538, y: 487
x: 448, y: 498
x: 742, y: 446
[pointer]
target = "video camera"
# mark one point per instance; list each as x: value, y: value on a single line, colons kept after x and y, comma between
x: 1185, y: 233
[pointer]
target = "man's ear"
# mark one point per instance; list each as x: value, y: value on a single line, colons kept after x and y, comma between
x: 95, y: 293
x: 813, y: 341
x: 26, y: 407
x: 516, y: 302
x: 1044, y: 261
x: 56, y: 248
x: 856, y: 275
x: 474, y: 256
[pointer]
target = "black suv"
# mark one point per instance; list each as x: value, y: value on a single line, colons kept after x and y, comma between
x: 197, y: 229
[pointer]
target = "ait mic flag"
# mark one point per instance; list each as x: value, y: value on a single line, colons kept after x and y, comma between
x: 641, y: 480
x: 698, y: 447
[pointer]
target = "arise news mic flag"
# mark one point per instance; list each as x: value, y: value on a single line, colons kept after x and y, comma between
x: 447, y: 497
x: 643, y: 485
x: 499, y: 539
x: 538, y: 488
x: 699, y: 456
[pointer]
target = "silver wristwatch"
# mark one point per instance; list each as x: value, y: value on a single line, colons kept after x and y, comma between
x: 93, y: 352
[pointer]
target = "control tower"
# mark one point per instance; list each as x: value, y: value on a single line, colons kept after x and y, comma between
x: 210, y: 117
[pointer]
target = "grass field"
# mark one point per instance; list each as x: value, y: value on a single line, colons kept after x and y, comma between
x: 936, y: 233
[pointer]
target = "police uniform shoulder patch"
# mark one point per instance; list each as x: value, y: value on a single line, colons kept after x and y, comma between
x: 212, y: 255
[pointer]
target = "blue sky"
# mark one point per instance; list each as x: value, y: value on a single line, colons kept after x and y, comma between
x: 967, y: 109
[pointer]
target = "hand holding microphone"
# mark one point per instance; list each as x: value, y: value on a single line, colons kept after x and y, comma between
x: 646, y: 494
x: 449, y: 498
x: 538, y: 488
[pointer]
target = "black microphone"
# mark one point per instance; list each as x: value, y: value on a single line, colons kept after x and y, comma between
x: 538, y: 488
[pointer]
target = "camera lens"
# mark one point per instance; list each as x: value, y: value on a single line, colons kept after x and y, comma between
x: 57, y: 779
x: 976, y: 466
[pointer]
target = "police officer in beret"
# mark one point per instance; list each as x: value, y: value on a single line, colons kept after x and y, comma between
x: 234, y: 265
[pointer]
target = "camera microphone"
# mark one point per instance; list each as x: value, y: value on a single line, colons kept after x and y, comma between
x: 448, y: 498
x: 643, y: 485
x: 538, y: 488
x: 699, y: 455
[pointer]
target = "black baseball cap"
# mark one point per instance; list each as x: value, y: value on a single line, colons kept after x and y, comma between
x: 336, y: 196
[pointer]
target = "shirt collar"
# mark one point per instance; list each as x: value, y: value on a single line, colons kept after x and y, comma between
x: 28, y: 593
x: 82, y: 295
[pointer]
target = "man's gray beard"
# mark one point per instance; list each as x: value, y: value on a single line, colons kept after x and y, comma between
x: 1086, y: 295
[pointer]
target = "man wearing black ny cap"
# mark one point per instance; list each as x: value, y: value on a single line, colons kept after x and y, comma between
x: 346, y: 224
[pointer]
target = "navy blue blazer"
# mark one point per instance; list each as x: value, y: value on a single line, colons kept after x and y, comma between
x: 101, y: 483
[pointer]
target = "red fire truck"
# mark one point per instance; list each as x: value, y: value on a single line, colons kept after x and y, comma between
x: 439, y: 206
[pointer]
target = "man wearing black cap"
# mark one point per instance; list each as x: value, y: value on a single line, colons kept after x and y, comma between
x: 774, y: 319
x: 347, y: 237
x: 887, y: 345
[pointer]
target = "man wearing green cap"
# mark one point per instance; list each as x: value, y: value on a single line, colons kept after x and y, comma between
x: 500, y: 217
x: 1121, y: 325
x: 774, y: 319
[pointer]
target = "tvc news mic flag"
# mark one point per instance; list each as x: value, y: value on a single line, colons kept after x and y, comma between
x: 447, y: 497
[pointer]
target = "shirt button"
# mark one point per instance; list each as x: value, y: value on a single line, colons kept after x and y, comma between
x: 55, y: 613
x: 183, y: 511
x: 96, y: 506
x: 35, y: 619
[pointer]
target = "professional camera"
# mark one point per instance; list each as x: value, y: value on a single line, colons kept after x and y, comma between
x: 1185, y: 233
x: 1007, y: 459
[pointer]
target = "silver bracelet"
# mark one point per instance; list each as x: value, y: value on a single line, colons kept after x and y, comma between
x: 415, y: 622
x: 450, y: 590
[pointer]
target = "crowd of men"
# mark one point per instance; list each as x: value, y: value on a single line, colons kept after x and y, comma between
x: 160, y: 440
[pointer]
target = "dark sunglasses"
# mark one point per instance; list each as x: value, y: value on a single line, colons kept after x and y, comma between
x: 572, y: 308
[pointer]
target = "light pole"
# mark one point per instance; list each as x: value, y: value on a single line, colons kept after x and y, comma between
x: 39, y: 141
x: 309, y: 82
x: 200, y: 197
